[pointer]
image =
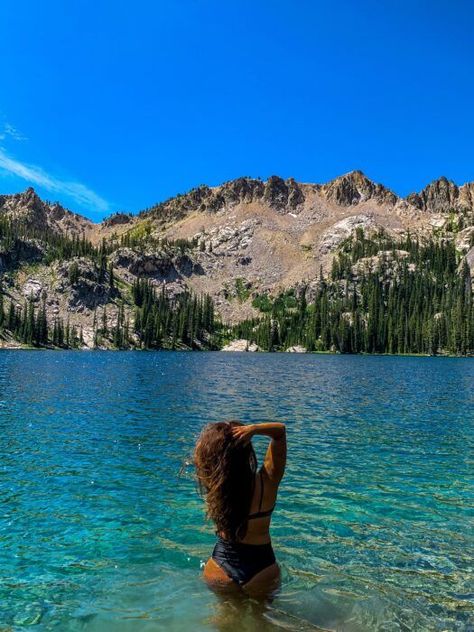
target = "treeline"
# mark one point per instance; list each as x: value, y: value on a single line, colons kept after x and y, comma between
x: 156, y: 320
x: 141, y: 237
x: 419, y: 300
x: 30, y: 326
x: 13, y: 234
x: 160, y: 322
x: 56, y: 246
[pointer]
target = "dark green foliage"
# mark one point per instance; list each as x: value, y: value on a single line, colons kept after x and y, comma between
x: 262, y: 302
x: 73, y: 273
x: 140, y: 237
x: 14, y: 236
x: 161, y: 322
x: 120, y: 333
x: 102, y: 261
x: 29, y: 324
x: 419, y: 301
x: 26, y: 324
x: 111, y: 277
x: 241, y: 289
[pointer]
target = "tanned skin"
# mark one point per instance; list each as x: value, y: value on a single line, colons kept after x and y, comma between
x: 258, y: 531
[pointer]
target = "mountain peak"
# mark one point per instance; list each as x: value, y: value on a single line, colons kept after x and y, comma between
x: 29, y: 209
x: 30, y: 197
x: 440, y: 195
x: 355, y: 187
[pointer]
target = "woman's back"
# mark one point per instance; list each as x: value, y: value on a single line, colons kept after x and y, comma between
x: 261, y: 510
x: 240, y: 506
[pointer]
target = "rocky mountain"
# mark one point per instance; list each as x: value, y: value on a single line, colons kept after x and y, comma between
x: 28, y: 209
x: 234, y: 242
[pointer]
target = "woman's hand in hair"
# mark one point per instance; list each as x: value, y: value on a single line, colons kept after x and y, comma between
x: 243, y: 434
x: 274, y: 430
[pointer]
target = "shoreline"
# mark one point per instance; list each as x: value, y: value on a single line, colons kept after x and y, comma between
x: 19, y: 347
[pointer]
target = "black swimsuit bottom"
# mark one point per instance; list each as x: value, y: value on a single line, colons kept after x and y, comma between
x: 242, y: 561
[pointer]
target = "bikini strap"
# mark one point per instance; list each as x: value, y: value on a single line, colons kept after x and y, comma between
x: 261, y: 492
x: 260, y: 513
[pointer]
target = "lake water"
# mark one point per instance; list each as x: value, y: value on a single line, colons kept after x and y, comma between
x: 374, y: 526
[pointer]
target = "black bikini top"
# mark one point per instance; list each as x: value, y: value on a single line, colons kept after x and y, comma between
x: 260, y: 513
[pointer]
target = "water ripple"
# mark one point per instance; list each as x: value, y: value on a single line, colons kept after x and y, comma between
x: 99, y: 531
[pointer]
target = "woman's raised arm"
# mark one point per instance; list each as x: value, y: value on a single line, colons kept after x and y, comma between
x: 275, y: 458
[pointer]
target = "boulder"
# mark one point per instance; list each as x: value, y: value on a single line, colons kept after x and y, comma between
x: 117, y: 219
x: 32, y: 289
x: 241, y: 345
x: 470, y: 260
x: 159, y: 265
x: 464, y: 239
x: 343, y: 229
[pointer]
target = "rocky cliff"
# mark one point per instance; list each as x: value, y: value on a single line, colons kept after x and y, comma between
x: 28, y: 209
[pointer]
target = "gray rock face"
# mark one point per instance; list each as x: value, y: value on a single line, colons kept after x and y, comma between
x: 242, y: 190
x: 466, y: 196
x: 145, y: 264
x: 283, y: 195
x: 439, y: 196
x: 464, y: 239
x: 297, y: 349
x: 28, y: 209
x: 289, y: 196
x: 24, y: 251
x: 32, y: 289
x: 88, y: 292
x: 202, y: 198
x: 470, y: 261
x: 230, y: 238
x: 117, y: 219
x: 241, y: 345
x: 343, y: 229
x: 354, y: 188
x: 24, y: 207
x: 159, y: 265
x: 387, y: 260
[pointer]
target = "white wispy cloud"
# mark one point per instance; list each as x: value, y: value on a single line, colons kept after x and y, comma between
x: 9, y: 131
x: 33, y: 174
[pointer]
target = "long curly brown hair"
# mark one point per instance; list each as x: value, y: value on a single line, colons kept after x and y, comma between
x: 226, y: 471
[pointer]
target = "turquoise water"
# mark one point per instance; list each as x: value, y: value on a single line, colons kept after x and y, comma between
x: 374, y: 527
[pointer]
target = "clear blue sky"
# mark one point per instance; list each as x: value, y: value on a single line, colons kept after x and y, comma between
x: 111, y: 106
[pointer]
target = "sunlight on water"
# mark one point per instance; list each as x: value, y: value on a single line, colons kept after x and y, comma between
x: 102, y: 528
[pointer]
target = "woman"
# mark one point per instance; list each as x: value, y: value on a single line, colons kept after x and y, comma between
x: 240, y: 500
